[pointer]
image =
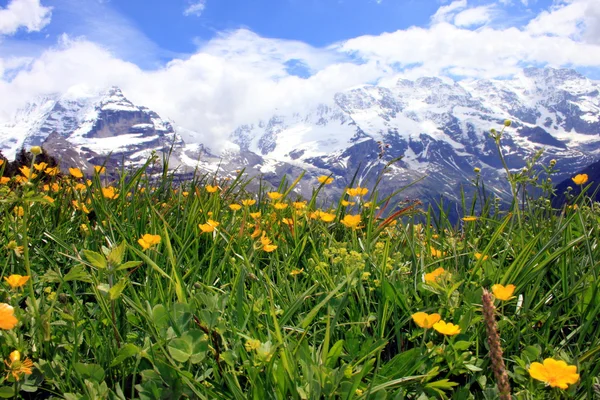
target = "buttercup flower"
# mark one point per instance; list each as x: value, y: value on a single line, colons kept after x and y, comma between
x: 351, y: 221
x: 99, y: 169
x: 15, y: 281
x: 324, y: 179
x: 296, y: 272
x: 7, y: 317
x: 76, y: 173
x: 502, y: 292
x: 580, y: 179
x: 149, y: 240
x: 36, y: 150
x: 469, y: 218
x: 357, y: 191
x: 280, y: 206
x: 40, y: 166
x: 299, y: 205
x: 211, y: 188
x: 209, y: 226
x: 446, y: 328
x: 555, y: 373
x: 16, y: 367
x: 425, y: 320
x: 235, y: 207
x: 248, y: 202
x: 326, y: 217
x: 52, y: 171
x: 275, y: 195
x: 479, y: 255
x: 109, y: 192
x: 435, y: 275
x: 252, y: 344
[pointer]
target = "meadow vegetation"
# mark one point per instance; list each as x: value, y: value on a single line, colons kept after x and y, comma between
x: 138, y: 287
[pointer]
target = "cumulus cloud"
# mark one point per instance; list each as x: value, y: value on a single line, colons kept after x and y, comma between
x: 239, y: 77
x: 28, y: 14
x: 196, y: 8
x: 474, y: 16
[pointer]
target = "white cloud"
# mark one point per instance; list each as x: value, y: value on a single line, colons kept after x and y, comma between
x: 239, y: 76
x: 474, y: 16
x: 196, y: 8
x: 29, y: 14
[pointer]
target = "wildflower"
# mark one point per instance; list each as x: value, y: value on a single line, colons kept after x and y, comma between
x: 296, y: 272
x: 148, y: 240
x: 507, y: 123
x: 40, y: 166
x: 434, y: 276
x: 435, y: 252
x: 52, y: 171
x: 325, y: 180
x: 326, y: 217
x: 80, y: 187
x: 49, y: 199
x: 280, y: 206
x: 99, y: 169
x: 368, y: 204
x: 255, y: 215
x: 209, y: 226
x: 16, y: 367
x: 26, y: 172
x: 109, y: 192
x: 288, y: 221
x: 269, y: 247
x: 479, y: 255
x: 359, y: 392
x: 348, y: 203
x: 469, y: 218
x: 252, y: 344
x: 580, y: 179
x: 275, y: 195
x: 357, y: 191
x: 12, y: 246
x: 19, y: 211
x: 351, y: 221
x: 16, y: 281
x: 211, y: 188
x: 7, y: 317
x: 36, y: 150
x: 477, y: 170
x: 80, y: 206
x: 446, y: 328
x: 555, y: 373
x: 299, y: 205
x: 425, y: 320
x: 76, y: 173
x: 365, y: 276
x: 235, y: 207
x: 248, y: 202
x: 502, y: 292
x: 4, y: 180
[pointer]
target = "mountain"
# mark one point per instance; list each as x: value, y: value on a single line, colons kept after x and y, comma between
x: 437, y: 127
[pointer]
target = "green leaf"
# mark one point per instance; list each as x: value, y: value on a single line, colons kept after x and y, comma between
x: 125, y: 352
x: 334, y: 353
x: 96, y: 259
x: 7, y: 392
x: 115, y: 291
x: 128, y: 264
x: 93, y: 372
x: 78, y: 273
x: 115, y: 257
x: 199, y: 344
x: 462, y: 345
x: 180, y: 349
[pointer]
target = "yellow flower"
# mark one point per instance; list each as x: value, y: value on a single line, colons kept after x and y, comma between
x: 80, y: 206
x: 19, y: 211
x: 4, y: 180
x: 269, y: 248
x: 40, y: 166
x: 555, y: 373
x: 109, y: 192
x: 351, y: 221
x: 435, y: 275
x: 368, y: 204
x: 211, y: 188
x: 235, y: 207
x: 148, y: 240
x: 255, y: 215
x: 435, y: 252
x: 209, y: 226
x: 248, y: 202
x: 7, y: 317
x: 580, y: 179
x: 275, y: 195
x: 99, y: 169
x: 448, y: 329
x: 26, y: 172
x: 12, y: 246
x: 280, y: 206
x: 324, y: 179
x: 76, y: 172
x: 49, y: 199
x: 296, y: 272
x: 15, y: 281
x: 502, y: 292
x: 52, y: 171
x: 357, y: 191
x: 35, y: 150
x: 469, y: 218
x: 288, y: 221
x: 256, y: 232
x: 346, y: 203
x: 299, y: 205
x: 425, y: 320
x: 479, y: 255
x: 16, y: 367
x: 252, y: 344
x: 80, y: 187
x: 326, y: 217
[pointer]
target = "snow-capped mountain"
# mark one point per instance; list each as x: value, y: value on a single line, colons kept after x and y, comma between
x: 439, y: 127
x: 82, y: 129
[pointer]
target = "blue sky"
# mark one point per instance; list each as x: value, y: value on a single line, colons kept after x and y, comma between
x: 220, y: 63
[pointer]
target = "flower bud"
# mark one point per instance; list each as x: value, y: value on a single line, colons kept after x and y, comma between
x: 15, y: 356
x: 477, y: 170
x: 507, y: 123
x: 552, y: 163
x: 36, y: 150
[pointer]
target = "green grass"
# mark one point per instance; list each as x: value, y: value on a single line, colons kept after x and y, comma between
x: 327, y: 314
